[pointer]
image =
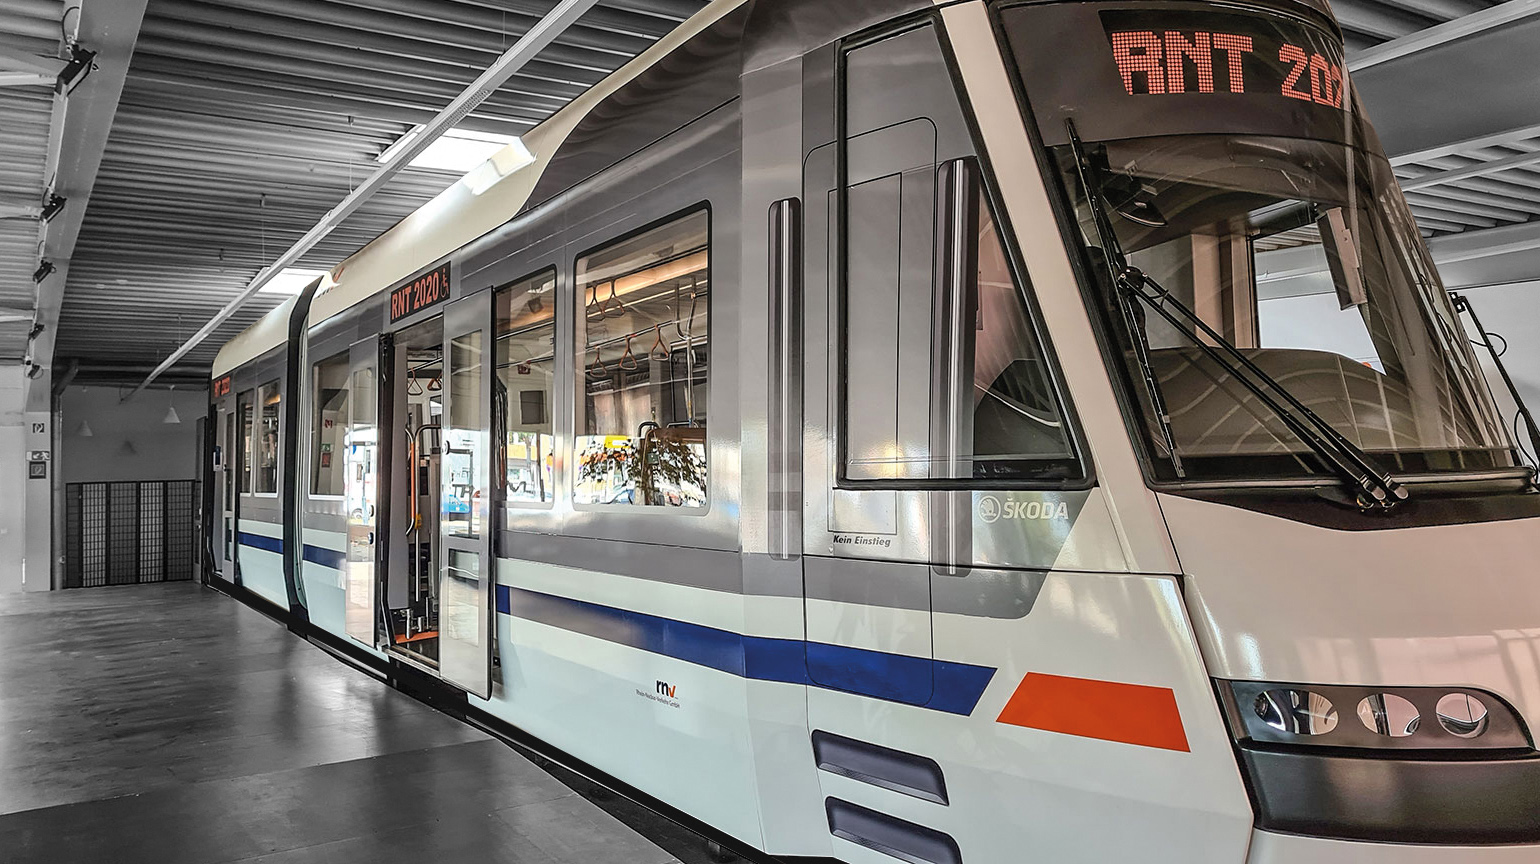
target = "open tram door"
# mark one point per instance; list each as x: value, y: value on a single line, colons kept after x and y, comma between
x: 220, y: 522
x: 223, y: 456
x: 466, y: 567
x: 361, y: 491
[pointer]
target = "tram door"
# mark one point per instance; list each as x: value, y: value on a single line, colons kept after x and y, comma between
x: 361, y: 491
x: 877, y: 522
x: 224, y: 490
x: 466, y: 566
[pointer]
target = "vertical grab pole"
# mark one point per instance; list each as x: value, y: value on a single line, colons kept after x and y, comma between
x: 955, y: 313
x: 785, y: 415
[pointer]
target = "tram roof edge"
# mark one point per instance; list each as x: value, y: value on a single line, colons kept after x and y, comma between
x: 457, y: 215
x: 265, y: 334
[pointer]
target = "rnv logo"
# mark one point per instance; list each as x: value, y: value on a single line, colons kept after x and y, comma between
x: 667, y: 689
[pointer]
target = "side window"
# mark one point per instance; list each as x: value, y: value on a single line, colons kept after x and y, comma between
x: 265, y: 447
x: 522, y: 399
x: 944, y: 373
x: 1013, y: 427
x: 244, y: 409
x: 329, y: 425
x: 645, y: 365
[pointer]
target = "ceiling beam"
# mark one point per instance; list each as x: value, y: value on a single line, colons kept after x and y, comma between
x: 82, y: 120
x: 19, y: 61
x: 1477, y: 257
x: 1467, y: 25
x: 1470, y: 245
x: 27, y: 79
x: 543, y: 33
x: 1465, y: 145
x: 1437, y: 178
x: 10, y: 210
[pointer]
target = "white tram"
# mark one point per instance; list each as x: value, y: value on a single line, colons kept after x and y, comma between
x: 971, y: 432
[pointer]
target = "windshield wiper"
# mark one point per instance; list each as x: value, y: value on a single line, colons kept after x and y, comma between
x: 1371, y: 486
x: 1130, y: 313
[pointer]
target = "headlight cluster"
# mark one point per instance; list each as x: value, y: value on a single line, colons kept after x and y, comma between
x: 1396, y: 718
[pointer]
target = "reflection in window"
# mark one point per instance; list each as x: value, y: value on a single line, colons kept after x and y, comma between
x: 1304, y: 257
x: 243, y: 403
x: 265, y: 477
x: 917, y: 406
x: 526, y: 330
x: 641, y: 426
x: 1016, y: 420
x: 463, y: 503
x: 360, y: 484
x: 329, y: 426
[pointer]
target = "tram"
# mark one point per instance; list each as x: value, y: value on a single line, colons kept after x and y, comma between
x: 959, y: 432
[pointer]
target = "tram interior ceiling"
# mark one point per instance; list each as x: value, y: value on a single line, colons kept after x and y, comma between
x: 921, y: 427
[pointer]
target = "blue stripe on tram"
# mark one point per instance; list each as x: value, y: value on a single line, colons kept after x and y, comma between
x: 325, y: 557
x: 954, y: 687
x: 314, y: 554
x: 260, y: 541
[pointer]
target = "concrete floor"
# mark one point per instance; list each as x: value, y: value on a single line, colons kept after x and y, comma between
x: 171, y: 724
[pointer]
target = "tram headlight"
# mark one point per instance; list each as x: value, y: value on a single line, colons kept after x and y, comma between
x: 1371, y: 718
x: 1445, y: 765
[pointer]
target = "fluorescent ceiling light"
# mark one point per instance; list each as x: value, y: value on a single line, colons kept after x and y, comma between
x: 458, y: 150
x: 291, y: 281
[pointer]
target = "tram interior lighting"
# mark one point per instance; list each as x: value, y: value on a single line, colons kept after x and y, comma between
x: 458, y: 150
x: 291, y: 281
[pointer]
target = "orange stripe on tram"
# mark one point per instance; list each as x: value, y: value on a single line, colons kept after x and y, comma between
x: 1129, y: 713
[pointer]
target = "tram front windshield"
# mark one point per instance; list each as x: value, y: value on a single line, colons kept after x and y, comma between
x: 1236, y: 170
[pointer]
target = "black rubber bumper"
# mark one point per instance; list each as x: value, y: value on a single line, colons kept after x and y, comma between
x: 1398, y: 799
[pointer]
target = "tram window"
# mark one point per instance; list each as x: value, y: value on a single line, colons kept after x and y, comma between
x: 265, y: 445
x: 526, y: 347
x: 904, y: 367
x: 329, y: 425
x: 1018, y: 429
x: 644, y: 306
x: 243, y: 407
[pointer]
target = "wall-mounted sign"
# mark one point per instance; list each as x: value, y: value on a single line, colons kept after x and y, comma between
x: 37, y: 470
x: 429, y: 289
x: 220, y: 388
x: 38, y: 455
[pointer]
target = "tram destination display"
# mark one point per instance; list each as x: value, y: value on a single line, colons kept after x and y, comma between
x: 1179, y: 71
x: 429, y: 289
x: 1160, y: 53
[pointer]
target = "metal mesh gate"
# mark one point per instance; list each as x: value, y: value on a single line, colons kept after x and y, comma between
x: 128, y: 532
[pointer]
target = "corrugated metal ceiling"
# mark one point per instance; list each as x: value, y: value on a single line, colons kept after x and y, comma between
x: 244, y: 121
x: 1366, y: 23
x: 28, y: 27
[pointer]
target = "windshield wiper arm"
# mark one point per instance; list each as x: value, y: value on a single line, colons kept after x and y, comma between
x: 1116, y: 260
x: 1371, y: 486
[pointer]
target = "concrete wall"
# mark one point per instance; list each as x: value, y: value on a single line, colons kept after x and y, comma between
x: 25, y: 505
x: 130, y: 440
